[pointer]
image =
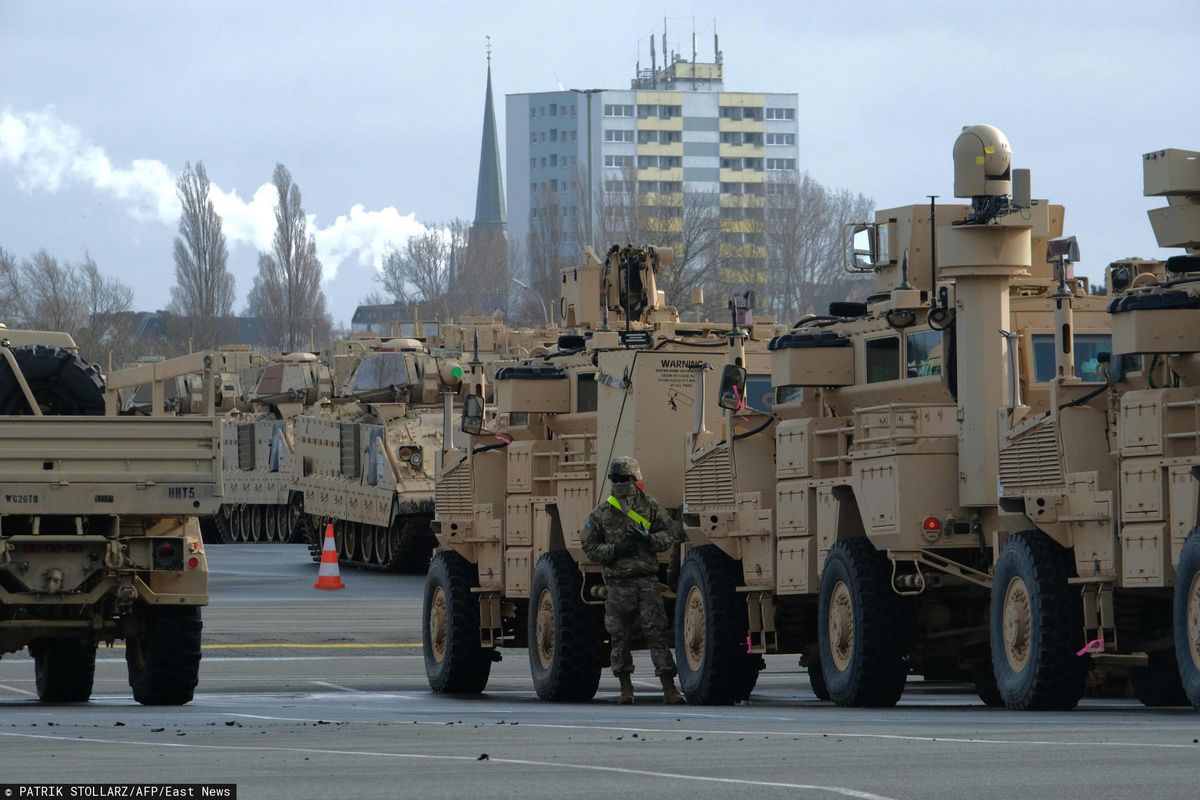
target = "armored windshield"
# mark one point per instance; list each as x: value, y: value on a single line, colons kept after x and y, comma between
x: 379, y: 371
x: 1088, y: 346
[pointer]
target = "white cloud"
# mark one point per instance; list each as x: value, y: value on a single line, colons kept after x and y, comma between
x: 44, y: 154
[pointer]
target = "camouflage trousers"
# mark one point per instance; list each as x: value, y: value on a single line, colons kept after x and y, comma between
x: 634, y: 601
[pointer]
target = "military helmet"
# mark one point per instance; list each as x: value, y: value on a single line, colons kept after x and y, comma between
x: 625, y: 467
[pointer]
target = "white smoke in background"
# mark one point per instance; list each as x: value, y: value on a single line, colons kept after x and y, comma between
x: 45, y: 154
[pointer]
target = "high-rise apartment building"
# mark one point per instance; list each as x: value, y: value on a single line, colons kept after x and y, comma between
x: 672, y: 153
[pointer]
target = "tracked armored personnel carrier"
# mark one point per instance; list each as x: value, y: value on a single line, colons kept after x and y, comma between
x: 262, y: 502
x: 512, y: 495
x: 99, y: 539
x: 861, y: 524
x: 131, y: 390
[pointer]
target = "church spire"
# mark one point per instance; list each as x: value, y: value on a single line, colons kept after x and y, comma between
x: 489, y: 196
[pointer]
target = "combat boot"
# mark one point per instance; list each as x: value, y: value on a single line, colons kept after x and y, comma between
x: 626, y: 697
x: 671, y: 695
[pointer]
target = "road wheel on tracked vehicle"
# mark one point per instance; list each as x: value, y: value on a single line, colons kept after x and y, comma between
x: 1036, y: 625
x: 296, y: 521
x: 1186, y: 617
x: 61, y: 383
x: 245, y: 521
x: 270, y: 524
x: 565, y: 633
x: 164, y: 659
x: 454, y: 661
x: 64, y: 669
x: 366, y: 543
x: 862, y: 627
x: 711, y: 629
x: 383, y: 544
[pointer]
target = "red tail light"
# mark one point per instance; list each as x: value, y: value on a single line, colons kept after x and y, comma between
x: 166, y: 550
x: 931, y: 524
x: 193, y: 562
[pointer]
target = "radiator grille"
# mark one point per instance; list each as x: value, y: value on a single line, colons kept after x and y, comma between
x: 1033, y: 459
x: 709, y: 481
x: 454, y: 492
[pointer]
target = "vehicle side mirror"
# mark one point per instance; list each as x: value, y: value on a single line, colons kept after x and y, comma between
x: 864, y: 248
x: 732, y: 394
x: 472, y: 415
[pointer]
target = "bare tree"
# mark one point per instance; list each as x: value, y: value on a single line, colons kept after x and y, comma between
x: 287, y: 292
x: 419, y: 272
x: 105, y: 302
x: 806, y: 262
x: 552, y: 243
x: 204, y: 288
x: 43, y: 293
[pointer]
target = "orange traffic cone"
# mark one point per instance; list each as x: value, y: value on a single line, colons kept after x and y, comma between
x: 329, y: 577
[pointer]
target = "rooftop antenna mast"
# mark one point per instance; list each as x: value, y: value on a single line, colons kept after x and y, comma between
x: 693, y: 54
x: 653, y: 64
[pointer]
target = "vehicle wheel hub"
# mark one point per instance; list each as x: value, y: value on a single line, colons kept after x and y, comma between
x: 1018, y: 624
x: 694, y: 629
x: 841, y: 626
x: 437, y: 625
x: 546, y: 628
x: 1193, y: 619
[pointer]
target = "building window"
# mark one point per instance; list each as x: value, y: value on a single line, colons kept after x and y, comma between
x: 554, y: 109
x: 781, y: 113
x: 780, y: 163
x: 532, y: 112
x: 572, y: 136
x: 554, y: 186
x: 573, y: 109
x: 543, y: 160
x: 611, y: 135
x: 618, y: 110
x: 533, y: 188
x: 543, y: 135
x: 781, y: 138
x: 669, y: 137
x: 734, y: 164
x: 554, y: 134
x: 618, y: 161
x: 883, y: 359
x: 542, y: 111
x: 616, y: 186
x: 533, y: 163
x: 553, y: 160
x: 533, y: 138
x: 670, y: 162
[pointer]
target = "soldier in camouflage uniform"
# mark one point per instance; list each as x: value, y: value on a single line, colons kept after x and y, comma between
x: 622, y: 534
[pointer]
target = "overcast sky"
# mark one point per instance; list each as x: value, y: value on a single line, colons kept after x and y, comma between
x: 376, y: 109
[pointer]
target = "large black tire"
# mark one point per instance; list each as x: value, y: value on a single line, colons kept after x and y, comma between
x: 1036, y: 625
x: 64, y: 669
x: 1186, y: 617
x: 223, y: 520
x: 1158, y: 684
x: 565, y: 633
x: 61, y: 383
x: 164, y: 660
x: 711, y: 629
x: 816, y: 681
x: 454, y: 661
x: 864, y: 648
x: 984, y: 678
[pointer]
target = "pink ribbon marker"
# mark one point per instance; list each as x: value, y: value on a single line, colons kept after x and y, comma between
x: 1094, y: 646
x: 749, y: 649
x: 741, y: 402
x: 504, y: 437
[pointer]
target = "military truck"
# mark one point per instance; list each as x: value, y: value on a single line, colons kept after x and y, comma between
x: 512, y: 495
x: 1105, y: 480
x: 861, y: 526
x: 99, y: 539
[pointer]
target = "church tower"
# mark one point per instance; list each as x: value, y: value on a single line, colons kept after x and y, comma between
x: 484, y: 278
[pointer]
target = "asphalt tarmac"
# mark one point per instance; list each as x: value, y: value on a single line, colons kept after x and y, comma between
x: 308, y: 694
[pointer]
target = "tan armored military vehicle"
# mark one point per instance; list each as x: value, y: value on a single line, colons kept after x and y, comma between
x: 99, y: 539
x: 512, y: 496
x: 368, y: 452
x: 1105, y: 480
x: 260, y: 465
x: 861, y: 524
